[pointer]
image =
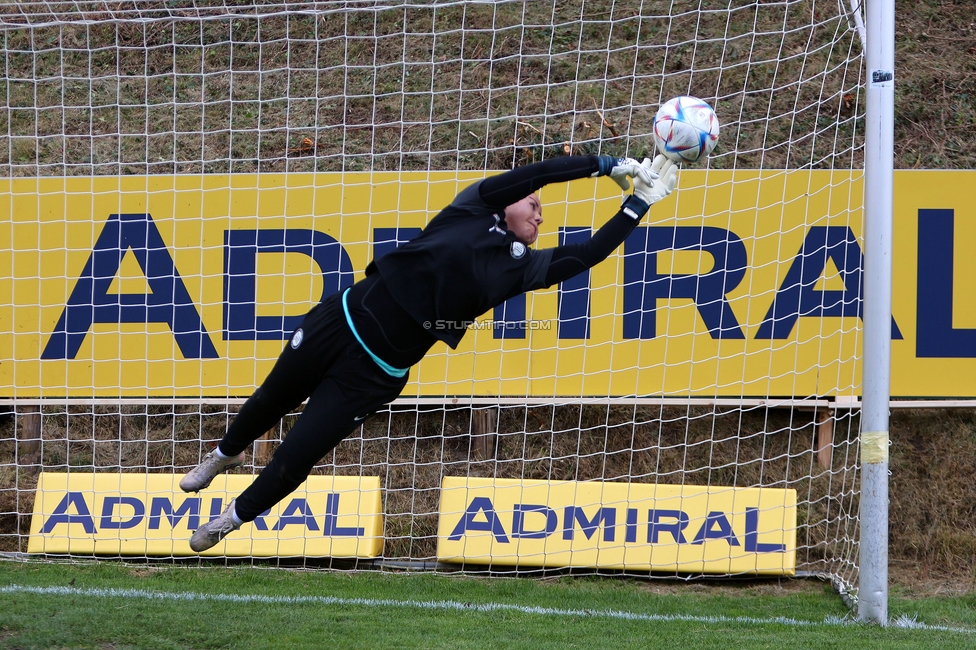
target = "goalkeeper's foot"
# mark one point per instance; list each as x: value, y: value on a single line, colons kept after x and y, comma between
x: 207, y: 535
x: 212, y: 464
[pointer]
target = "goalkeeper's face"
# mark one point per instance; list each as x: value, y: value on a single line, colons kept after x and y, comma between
x: 524, y: 218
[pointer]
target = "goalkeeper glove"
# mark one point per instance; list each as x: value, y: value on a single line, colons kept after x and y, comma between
x: 621, y: 170
x: 663, y: 178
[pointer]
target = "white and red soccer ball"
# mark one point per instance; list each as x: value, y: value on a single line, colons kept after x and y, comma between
x: 685, y: 129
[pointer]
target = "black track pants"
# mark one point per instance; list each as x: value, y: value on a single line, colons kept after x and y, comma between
x: 343, y: 385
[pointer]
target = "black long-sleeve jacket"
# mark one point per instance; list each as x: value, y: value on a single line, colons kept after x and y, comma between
x: 466, y: 262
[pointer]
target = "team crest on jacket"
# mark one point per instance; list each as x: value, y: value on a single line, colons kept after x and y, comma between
x: 296, y: 338
x: 518, y: 249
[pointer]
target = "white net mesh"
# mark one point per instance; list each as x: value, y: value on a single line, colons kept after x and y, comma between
x: 359, y: 120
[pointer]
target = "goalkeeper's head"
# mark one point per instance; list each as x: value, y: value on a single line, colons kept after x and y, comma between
x: 524, y: 217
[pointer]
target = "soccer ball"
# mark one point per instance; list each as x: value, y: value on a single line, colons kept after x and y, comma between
x: 685, y: 129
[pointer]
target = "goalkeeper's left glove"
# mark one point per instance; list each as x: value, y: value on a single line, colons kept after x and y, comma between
x: 665, y: 178
x: 664, y: 174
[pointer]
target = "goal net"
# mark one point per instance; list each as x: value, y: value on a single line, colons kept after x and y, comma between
x: 182, y: 181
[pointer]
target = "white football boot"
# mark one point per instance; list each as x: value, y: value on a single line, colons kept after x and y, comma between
x: 212, y: 532
x: 200, y: 476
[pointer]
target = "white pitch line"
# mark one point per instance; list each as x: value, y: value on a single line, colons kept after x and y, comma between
x: 453, y: 605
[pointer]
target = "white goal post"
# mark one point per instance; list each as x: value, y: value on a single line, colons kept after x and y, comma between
x: 876, y: 391
x: 181, y: 181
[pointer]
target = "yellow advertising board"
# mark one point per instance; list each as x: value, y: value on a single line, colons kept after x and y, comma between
x: 742, y: 283
x: 147, y: 514
x: 629, y: 526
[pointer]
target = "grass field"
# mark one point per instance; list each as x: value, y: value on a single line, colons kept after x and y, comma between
x: 112, y: 606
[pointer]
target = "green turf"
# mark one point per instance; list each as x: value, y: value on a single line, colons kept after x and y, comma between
x: 83, y: 616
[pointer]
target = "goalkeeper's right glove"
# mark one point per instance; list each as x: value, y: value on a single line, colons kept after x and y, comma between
x: 627, y: 168
x: 621, y: 170
x: 665, y: 179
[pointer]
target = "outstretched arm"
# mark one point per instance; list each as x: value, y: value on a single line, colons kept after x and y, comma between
x: 505, y: 189
x: 571, y: 259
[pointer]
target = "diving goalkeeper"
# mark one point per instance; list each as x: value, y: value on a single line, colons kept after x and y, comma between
x: 352, y: 352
